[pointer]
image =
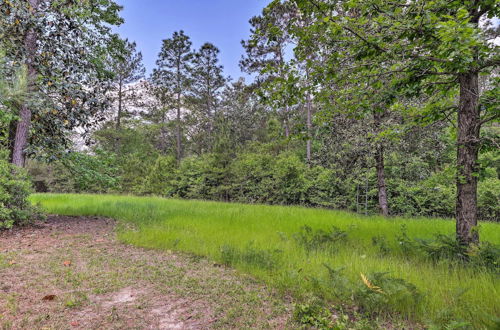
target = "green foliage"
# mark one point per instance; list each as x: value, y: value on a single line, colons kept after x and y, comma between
x: 15, y: 187
x: 160, y: 177
x: 77, y: 172
x: 320, y: 239
x: 250, y: 255
x: 313, y: 315
x: 489, y: 199
x: 446, y: 247
x: 381, y: 243
x: 92, y: 174
x: 382, y: 294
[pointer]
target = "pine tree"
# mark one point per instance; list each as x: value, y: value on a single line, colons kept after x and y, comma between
x: 172, y: 75
x: 266, y: 54
x: 207, y: 84
x: 126, y: 64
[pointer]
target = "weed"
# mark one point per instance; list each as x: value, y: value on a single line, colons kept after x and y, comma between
x: 380, y: 294
x: 381, y: 243
x: 76, y: 300
x: 313, y: 314
x: 406, y: 244
x: 320, y: 239
x: 442, y: 247
x: 338, y: 284
x: 446, y: 247
x: 250, y: 255
x: 485, y: 255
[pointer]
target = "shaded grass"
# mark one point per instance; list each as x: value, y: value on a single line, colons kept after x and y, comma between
x: 262, y: 241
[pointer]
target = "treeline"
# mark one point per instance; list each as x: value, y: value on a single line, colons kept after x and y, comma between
x: 187, y: 131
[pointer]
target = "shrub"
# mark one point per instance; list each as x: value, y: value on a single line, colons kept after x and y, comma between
x: 313, y: 315
x: 77, y: 172
x: 489, y: 199
x: 380, y: 293
x: 446, y: 247
x: 159, y: 180
x: 320, y: 239
x: 381, y: 243
x: 15, y: 187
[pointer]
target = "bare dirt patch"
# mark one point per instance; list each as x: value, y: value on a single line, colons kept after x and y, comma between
x: 71, y: 273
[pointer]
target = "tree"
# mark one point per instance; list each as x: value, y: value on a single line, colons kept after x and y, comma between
x: 173, y: 75
x: 243, y: 113
x: 433, y: 48
x: 64, y: 46
x: 126, y: 64
x: 207, y: 83
x: 21, y: 136
x: 266, y: 53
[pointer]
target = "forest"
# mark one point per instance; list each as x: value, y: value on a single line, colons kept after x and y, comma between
x: 371, y: 129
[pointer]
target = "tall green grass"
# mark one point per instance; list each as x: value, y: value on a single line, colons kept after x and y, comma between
x: 261, y: 240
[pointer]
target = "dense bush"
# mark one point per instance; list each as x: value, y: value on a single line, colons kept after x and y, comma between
x: 265, y: 174
x: 15, y: 187
x: 77, y: 172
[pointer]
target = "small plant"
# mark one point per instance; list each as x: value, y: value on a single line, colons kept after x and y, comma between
x: 76, y: 299
x: 228, y: 254
x: 338, y: 284
x: 265, y: 259
x: 443, y: 247
x: 381, y: 243
x: 320, y: 239
x: 407, y: 245
x: 313, y: 315
x: 379, y: 293
x: 485, y: 255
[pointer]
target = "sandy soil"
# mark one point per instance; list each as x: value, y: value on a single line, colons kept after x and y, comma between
x: 71, y: 273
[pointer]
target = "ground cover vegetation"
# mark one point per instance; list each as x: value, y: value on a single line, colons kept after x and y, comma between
x: 407, y: 272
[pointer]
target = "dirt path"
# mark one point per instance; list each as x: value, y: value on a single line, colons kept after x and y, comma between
x: 71, y: 273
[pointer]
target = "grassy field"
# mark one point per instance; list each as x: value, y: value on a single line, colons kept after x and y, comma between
x: 339, y: 266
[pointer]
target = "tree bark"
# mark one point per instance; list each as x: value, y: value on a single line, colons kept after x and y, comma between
x: 120, y: 96
x: 309, y: 128
x: 380, y: 166
x: 11, y: 138
x: 382, y: 191
x: 24, y: 122
x: 468, y: 142
x: 179, y: 143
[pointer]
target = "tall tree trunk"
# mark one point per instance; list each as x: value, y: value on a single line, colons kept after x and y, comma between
x: 380, y: 166
x: 286, y: 123
x: 11, y: 138
x: 120, y: 96
x: 468, y: 142
x: 23, y: 124
x: 179, y: 143
x: 382, y: 191
x: 309, y: 128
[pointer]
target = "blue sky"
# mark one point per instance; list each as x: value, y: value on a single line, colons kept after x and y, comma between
x: 221, y: 22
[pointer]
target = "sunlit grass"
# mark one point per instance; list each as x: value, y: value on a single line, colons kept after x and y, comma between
x: 450, y: 292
